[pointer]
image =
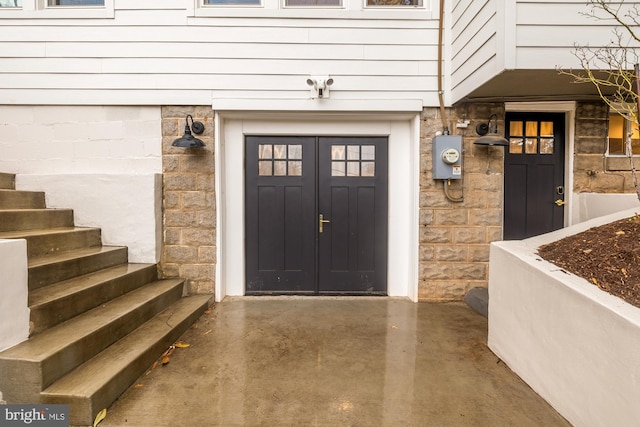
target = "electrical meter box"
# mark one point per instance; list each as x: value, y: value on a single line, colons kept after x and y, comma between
x: 447, y: 157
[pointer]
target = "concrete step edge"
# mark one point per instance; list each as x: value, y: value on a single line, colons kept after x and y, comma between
x: 55, y: 351
x: 52, y: 268
x: 42, y: 242
x: 98, y: 382
x: 32, y: 219
x: 61, y: 301
x: 20, y: 199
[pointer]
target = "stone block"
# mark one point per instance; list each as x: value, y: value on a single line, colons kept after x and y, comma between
x: 470, y: 235
x: 457, y: 216
x: 170, y: 163
x: 426, y: 217
x: 193, y: 199
x: 169, y: 270
x: 479, y: 253
x: 198, y: 272
x: 180, y: 254
x: 426, y: 253
x: 207, y: 254
x: 590, y: 145
x: 433, y: 199
x: 453, y: 270
x: 171, y: 200
x: 182, y: 182
x: 494, y: 234
x: 199, y: 236
x: 451, y: 252
x: 206, y: 218
x: 202, y: 163
x: 435, y: 235
x: 179, y: 219
x: 172, y: 236
x: 485, y: 217
x: 205, y: 182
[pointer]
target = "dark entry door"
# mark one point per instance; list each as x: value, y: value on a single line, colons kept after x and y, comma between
x: 534, y: 174
x: 316, y: 215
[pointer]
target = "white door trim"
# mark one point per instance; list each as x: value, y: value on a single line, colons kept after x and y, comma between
x: 404, y: 167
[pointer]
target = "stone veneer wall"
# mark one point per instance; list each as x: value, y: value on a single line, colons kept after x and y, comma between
x: 455, y: 237
x: 593, y: 172
x: 189, y: 215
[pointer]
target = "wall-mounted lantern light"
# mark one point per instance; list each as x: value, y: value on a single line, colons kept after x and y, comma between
x: 188, y: 140
x: 489, y: 133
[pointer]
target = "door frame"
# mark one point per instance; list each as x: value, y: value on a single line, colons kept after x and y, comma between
x: 569, y: 110
x: 403, y: 133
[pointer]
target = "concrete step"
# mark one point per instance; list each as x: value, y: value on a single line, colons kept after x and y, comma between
x: 33, y: 219
x: 14, y: 199
x: 49, y: 269
x: 61, y: 301
x: 100, y: 381
x: 7, y: 181
x: 44, y: 242
x: 28, y: 368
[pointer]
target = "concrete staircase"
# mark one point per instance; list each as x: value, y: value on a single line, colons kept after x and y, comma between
x: 98, y: 322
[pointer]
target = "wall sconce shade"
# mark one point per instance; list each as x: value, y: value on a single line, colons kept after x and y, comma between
x: 188, y: 140
x: 489, y: 133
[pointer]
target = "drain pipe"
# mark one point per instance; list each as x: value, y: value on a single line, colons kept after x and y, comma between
x: 443, y: 112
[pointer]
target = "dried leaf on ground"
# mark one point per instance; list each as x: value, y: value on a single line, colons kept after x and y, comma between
x: 99, y: 417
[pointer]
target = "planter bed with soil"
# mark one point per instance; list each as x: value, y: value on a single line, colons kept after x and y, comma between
x: 575, y: 344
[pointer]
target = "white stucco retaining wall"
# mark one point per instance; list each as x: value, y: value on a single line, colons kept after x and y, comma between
x: 593, y: 205
x: 14, y: 310
x: 127, y: 207
x: 575, y: 345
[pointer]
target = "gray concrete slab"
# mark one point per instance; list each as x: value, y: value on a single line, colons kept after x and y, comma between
x: 333, y: 362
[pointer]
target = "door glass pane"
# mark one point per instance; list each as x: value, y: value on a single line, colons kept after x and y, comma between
x: 295, y: 151
x: 264, y: 151
x: 295, y: 168
x: 279, y: 151
x: 532, y: 129
x: 368, y: 169
x: 515, y: 145
x: 337, y: 152
x: 76, y: 3
x: 353, y: 168
x: 265, y: 168
x: 515, y: 129
x: 368, y: 152
x: 394, y: 3
x: 353, y: 152
x: 531, y: 145
x: 546, y: 129
x: 546, y: 145
x: 338, y: 169
x: 280, y: 168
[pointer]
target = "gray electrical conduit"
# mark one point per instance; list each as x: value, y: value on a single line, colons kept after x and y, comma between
x: 443, y: 113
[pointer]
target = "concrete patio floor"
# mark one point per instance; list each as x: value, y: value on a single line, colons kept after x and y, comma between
x: 333, y: 362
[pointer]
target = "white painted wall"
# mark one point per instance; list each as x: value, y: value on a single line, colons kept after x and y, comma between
x: 494, y: 36
x: 14, y: 309
x: 593, y: 205
x: 127, y: 207
x: 178, y: 52
x: 80, y: 139
x: 403, y: 133
x: 574, y: 344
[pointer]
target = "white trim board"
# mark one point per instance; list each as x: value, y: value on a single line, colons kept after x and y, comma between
x: 404, y: 140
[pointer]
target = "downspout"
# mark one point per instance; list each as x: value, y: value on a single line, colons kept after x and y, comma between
x: 443, y: 112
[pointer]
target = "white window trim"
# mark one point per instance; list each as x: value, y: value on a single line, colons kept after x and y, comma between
x: 36, y: 9
x: 624, y: 155
x: 350, y: 9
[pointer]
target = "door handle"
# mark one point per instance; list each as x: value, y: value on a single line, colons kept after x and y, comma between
x: 560, y: 202
x: 321, y: 223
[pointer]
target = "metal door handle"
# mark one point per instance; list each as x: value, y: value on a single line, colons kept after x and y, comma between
x: 560, y: 202
x: 321, y: 223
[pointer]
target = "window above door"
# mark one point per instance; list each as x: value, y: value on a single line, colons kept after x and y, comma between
x: 57, y: 9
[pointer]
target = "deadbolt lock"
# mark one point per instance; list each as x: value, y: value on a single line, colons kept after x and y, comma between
x: 560, y: 202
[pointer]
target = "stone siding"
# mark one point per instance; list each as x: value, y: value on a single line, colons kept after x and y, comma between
x: 189, y: 211
x: 592, y: 171
x: 455, y: 236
